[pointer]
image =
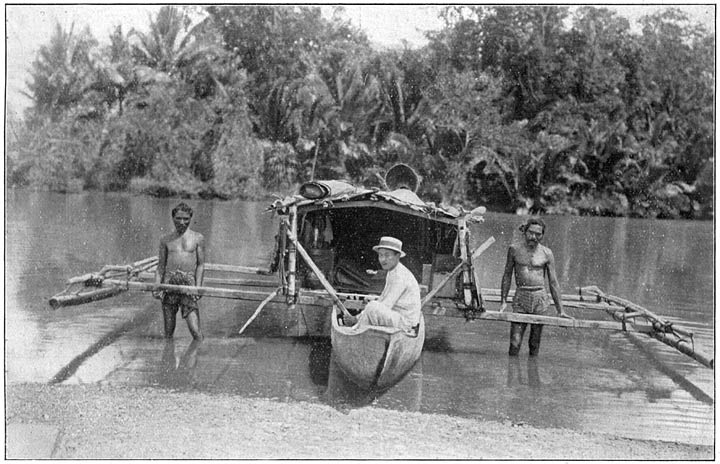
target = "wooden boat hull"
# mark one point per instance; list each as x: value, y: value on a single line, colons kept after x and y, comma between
x: 373, y: 357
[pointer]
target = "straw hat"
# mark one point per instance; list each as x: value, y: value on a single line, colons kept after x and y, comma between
x: 391, y: 243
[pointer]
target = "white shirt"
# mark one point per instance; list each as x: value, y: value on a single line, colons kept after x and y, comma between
x: 402, y: 294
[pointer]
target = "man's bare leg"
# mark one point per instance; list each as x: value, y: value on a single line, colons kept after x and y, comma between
x: 534, y: 341
x: 169, y: 317
x: 517, y: 330
x: 193, y: 323
x: 189, y: 358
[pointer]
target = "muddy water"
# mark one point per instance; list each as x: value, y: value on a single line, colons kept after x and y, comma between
x: 604, y: 382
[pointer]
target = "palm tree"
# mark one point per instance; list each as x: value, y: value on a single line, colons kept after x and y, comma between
x: 60, y: 71
x: 175, y: 48
x: 114, y: 75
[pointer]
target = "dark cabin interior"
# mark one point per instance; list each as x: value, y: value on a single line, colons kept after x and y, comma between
x: 340, y: 241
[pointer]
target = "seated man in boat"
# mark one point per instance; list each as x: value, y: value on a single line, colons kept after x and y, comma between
x: 399, y: 302
x: 531, y: 262
x: 181, y: 261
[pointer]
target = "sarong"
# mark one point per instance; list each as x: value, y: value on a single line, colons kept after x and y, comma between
x: 530, y: 300
x: 186, y: 303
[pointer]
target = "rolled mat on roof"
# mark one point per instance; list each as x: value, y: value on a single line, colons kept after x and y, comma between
x: 317, y: 189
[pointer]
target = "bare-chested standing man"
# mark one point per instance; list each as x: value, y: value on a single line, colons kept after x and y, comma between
x: 531, y: 262
x: 181, y: 261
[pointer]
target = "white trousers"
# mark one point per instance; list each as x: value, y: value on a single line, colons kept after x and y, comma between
x: 379, y: 314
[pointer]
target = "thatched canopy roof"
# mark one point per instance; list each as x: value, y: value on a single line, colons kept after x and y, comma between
x: 337, y: 194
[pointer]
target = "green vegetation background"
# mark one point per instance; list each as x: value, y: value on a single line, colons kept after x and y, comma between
x: 531, y: 108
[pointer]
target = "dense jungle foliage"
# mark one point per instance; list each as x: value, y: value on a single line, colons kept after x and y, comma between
x: 537, y: 108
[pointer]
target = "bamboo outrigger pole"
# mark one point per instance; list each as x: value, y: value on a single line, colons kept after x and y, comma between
x: 58, y: 301
x: 662, y: 330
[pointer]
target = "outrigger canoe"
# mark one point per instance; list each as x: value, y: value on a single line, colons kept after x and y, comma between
x: 323, y: 259
x: 374, y: 357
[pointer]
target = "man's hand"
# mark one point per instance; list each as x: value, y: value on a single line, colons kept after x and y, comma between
x: 564, y: 315
x: 503, y: 306
x: 349, y: 320
x: 159, y: 294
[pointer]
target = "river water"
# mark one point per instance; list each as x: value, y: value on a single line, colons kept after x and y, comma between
x: 599, y: 381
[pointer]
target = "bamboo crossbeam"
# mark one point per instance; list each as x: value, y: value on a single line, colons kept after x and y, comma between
x: 217, y: 280
x: 184, y: 289
x: 81, y: 279
x: 241, y: 269
x: 661, y: 323
x: 565, y: 297
x: 144, y: 261
x: 570, y: 304
x: 141, y: 270
x: 116, y: 270
x: 559, y: 321
x: 116, y: 267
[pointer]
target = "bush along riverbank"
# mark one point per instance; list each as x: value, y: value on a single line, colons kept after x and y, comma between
x: 534, y: 109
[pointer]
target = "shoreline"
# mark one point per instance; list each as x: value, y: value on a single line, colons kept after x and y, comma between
x: 101, y: 421
x: 269, y: 196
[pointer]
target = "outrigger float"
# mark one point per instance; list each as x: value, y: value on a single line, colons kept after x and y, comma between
x: 323, y: 267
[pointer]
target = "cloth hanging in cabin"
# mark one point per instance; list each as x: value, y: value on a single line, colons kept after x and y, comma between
x: 328, y: 232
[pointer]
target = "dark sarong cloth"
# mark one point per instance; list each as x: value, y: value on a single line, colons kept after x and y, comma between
x: 186, y: 303
x: 530, y: 300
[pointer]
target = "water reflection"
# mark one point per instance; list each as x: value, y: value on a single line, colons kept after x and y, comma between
x: 176, y: 371
x: 319, y: 361
x: 344, y: 394
x: 519, y: 375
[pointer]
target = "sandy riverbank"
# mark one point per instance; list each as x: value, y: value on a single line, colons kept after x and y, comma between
x: 103, y: 422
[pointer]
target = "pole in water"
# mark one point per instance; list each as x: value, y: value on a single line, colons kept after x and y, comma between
x: 259, y: 308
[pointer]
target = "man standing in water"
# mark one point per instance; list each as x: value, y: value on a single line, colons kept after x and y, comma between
x: 181, y: 261
x: 531, y: 262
